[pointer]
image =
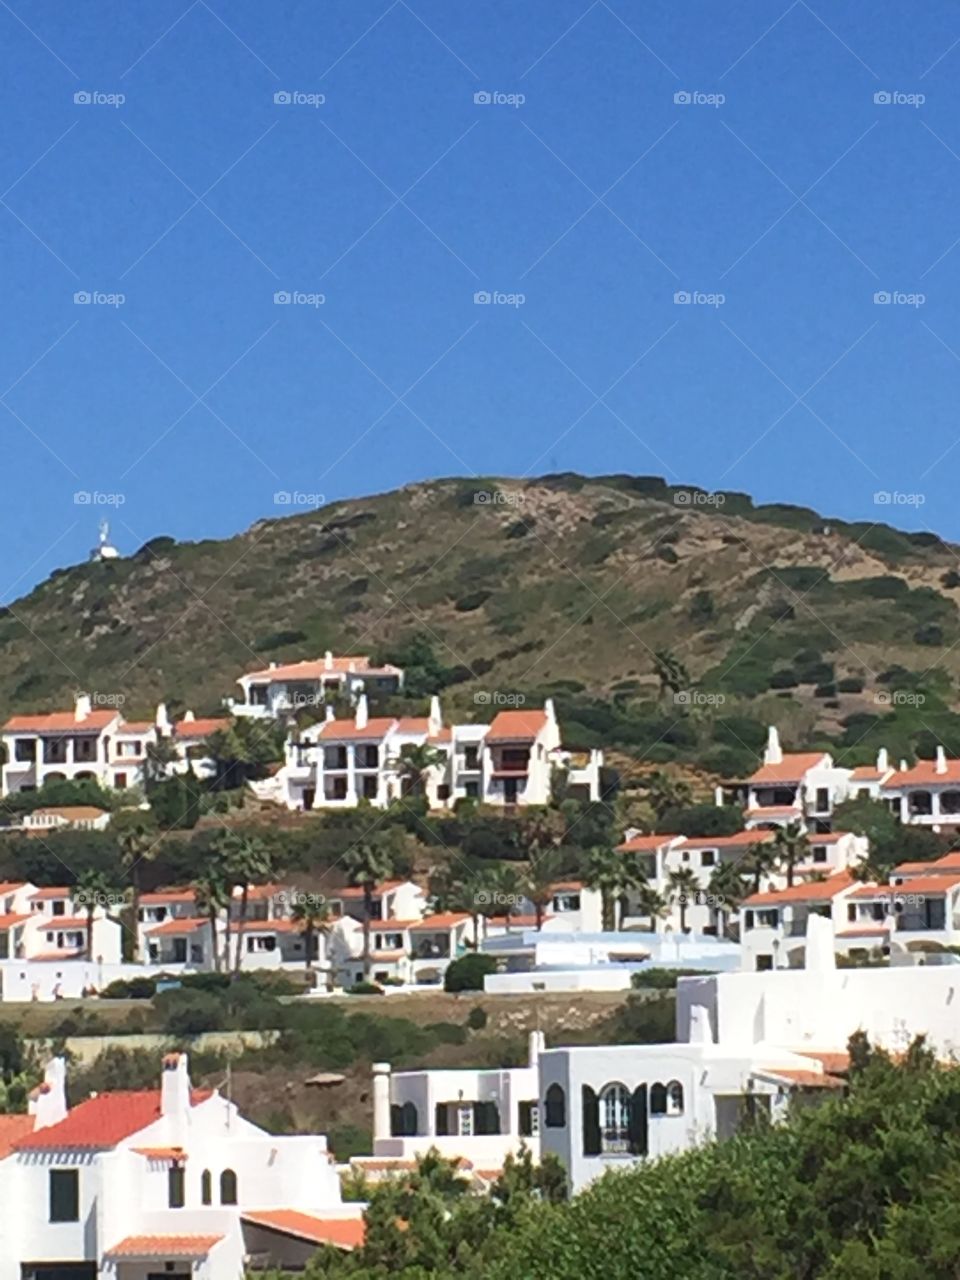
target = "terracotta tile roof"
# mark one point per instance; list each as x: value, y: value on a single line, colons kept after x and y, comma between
x: 52, y: 923
x: 11, y: 886
x: 199, y: 728
x: 160, y: 897
x: 345, y: 1233
x: 647, y: 844
x: 283, y: 925
x: 161, y: 1153
x: 741, y: 840
x: 317, y: 669
x: 13, y: 1129
x: 413, y: 724
x: 258, y: 892
x: 834, y: 1061
x: 355, y: 891
x: 803, y: 1079
x: 949, y: 862
x: 163, y: 1247
x: 874, y: 932
x: 9, y: 921
x: 73, y: 812
x: 924, y: 773
x: 868, y: 773
x: 189, y: 924
x: 51, y: 892
x: 820, y: 891
x: 376, y: 728
x: 926, y: 884
x: 135, y: 726
x: 61, y: 722
x: 775, y: 811
x: 791, y: 769
x: 516, y: 726
x: 442, y: 920
x: 100, y: 1123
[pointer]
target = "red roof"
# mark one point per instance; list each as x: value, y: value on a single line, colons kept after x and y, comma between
x: 924, y: 773
x: 442, y: 920
x: 317, y: 669
x: 72, y: 812
x: 52, y: 891
x: 802, y: 1078
x: 8, y: 922
x: 163, y: 1247
x: 200, y: 728
x: 876, y: 931
x: 10, y: 886
x: 516, y: 726
x: 356, y: 891
x: 189, y: 924
x: 820, y: 891
x: 791, y: 769
x: 647, y: 844
x: 868, y: 773
x: 742, y: 839
x: 12, y: 1129
x: 60, y: 722
x: 101, y: 1122
x: 346, y: 1233
x: 949, y: 862
x: 162, y: 896
x: 775, y: 811
x: 376, y: 728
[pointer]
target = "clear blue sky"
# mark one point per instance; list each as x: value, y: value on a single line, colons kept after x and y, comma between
x: 798, y: 198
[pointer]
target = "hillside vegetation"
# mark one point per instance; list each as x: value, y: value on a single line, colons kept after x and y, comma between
x: 561, y: 585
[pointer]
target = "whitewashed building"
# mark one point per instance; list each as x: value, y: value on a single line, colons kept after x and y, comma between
x: 283, y: 688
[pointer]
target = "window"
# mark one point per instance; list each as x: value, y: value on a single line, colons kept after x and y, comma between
x: 556, y: 1107
x: 228, y: 1187
x: 403, y: 1120
x: 471, y: 757
x: 64, y: 1195
x: 674, y: 1098
x: 614, y: 1120
x: 708, y: 858
x: 206, y: 1187
x: 176, y: 1186
x: 658, y: 1100
x: 851, y: 912
x: 471, y: 790
x: 528, y: 1119
x: 823, y: 799
x: 819, y: 853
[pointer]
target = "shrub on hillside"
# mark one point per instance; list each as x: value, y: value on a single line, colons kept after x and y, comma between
x: 468, y: 973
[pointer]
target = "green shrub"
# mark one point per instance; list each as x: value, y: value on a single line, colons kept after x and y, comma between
x: 477, y: 1018
x: 468, y: 973
x: 365, y: 989
x: 850, y: 684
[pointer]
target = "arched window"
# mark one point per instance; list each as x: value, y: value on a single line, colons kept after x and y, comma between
x: 556, y: 1107
x: 228, y: 1187
x: 674, y: 1098
x: 206, y: 1187
x: 408, y: 1120
x: 658, y: 1099
x: 614, y: 1119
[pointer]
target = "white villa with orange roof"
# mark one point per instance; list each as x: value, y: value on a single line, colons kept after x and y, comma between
x: 159, y: 1181
x: 340, y: 762
x: 928, y: 794
x: 50, y: 925
x: 283, y: 688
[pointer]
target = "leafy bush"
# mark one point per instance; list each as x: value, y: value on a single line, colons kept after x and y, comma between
x: 477, y: 1018
x: 468, y: 973
x: 364, y: 989
x: 850, y: 684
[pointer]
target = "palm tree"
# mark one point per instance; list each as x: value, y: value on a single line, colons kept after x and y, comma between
x: 212, y: 889
x: 312, y: 913
x: 613, y: 874
x: 728, y: 888
x: 667, y: 791
x: 649, y: 903
x: 135, y: 832
x: 245, y: 860
x: 790, y: 846
x: 413, y: 767
x: 536, y: 883
x: 93, y: 889
x: 761, y: 858
x: 671, y: 672
x: 367, y: 864
x: 684, y: 888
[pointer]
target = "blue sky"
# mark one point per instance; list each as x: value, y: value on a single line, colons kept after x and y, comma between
x: 781, y: 185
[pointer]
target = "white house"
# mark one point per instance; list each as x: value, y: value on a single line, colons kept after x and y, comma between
x: 283, y: 688
x: 78, y: 817
x: 51, y: 925
x: 927, y: 794
x: 159, y: 1181
x: 773, y: 924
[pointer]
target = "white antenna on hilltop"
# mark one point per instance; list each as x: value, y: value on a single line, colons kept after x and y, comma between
x: 104, y: 550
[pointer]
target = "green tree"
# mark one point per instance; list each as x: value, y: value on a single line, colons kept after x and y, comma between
x: 537, y: 880
x: 93, y: 889
x: 312, y: 913
x: 212, y: 887
x: 683, y: 890
x: 613, y: 874
x: 729, y: 889
x: 135, y: 832
x: 789, y: 847
x: 367, y: 864
x: 760, y: 859
x: 666, y: 792
x: 414, y: 765
x: 246, y: 861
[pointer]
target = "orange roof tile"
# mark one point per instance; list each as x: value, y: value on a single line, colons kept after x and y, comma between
x: 791, y: 769
x: 802, y: 1078
x: 924, y: 773
x: 13, y: 1128
x: 100, y: 1123
x: 516, y: 726
x: 10, y: 886
x: 163, y: 1247
x: 820, y: 891
x: 73, y: 812
x: 775, y: 811
x: 868, y: 773
x: 189, y: 924
x: 199, y: 728
x: 14, y: 918
x: 442, y: 920
x: 160, y: 897
x: 876, y: 931
x: 647, y: 844
x: 834, y: 1061
x: 376, y: 728
x: 161, y: 1153
x: 61, y: 722
x: 136, y: 726
x: 355, y: 891
x: 51, y: 892
x: 317, y: 669
x: 345, y: 1233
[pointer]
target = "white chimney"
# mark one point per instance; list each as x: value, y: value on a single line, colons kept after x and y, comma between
x: 189, y: 717
x: 549, y: 709
x: 941, y: 766
x: 48, y: 1102
x: 436, y: 717
x: 536, y: 1043
x: 718, y: 796
x: 381, y: 1102
x: 883, y: 760
x: 773, y: 753
x: 328, y: 661
x: 175, y: 1089
x: 273, y: 666
x: 82, y: 708
x: 161, y: 719
x: 903, y: 766
x: 329, y: 712
x: 362, y: 716
x: 820, y: 953
x: 699, y: 1031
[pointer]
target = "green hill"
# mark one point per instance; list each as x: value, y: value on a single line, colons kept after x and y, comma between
x: 561, y: 585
